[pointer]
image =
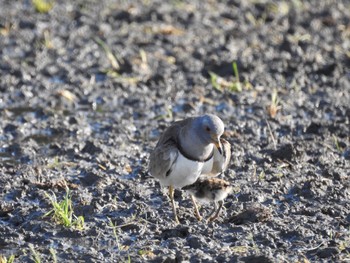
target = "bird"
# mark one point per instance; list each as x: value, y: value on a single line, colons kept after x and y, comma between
x: 186, y: 150
x: 210, y: 190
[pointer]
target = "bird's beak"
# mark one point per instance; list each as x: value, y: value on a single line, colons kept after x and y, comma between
x: 218, y: 145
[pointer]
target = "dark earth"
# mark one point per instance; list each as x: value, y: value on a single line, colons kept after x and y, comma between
x: 87, y: 87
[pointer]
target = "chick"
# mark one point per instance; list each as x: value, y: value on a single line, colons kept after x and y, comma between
x: 210, y: 190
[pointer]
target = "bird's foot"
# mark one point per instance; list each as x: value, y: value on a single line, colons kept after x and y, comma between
x: 199, y: 217
x: 177, y: 221
x: 212, y: 218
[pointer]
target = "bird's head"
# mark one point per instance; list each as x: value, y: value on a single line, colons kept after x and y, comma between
x: 210, y: 128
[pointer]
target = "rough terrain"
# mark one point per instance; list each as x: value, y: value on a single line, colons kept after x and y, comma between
x: 87, y: 87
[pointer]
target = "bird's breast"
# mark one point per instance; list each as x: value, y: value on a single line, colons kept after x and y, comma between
x: 185, y: 172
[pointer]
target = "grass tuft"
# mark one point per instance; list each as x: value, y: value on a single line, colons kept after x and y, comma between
x: 43, y: 6
x: 3, y: 259
x: 220, y: 83
x: 47, y: 42
x: 167, y: 115
x: 337, y: 145
x: 214, y: 81
x: 53, y: 254
x: 275, y: 104
x: 62, y: 212
x: 110, y: 56
x: 236, y: 86
x: 35, y: 255
x: 262, y: 175
x: 146, y: 254
x: 239, y: 250
x: 115, y: 233
x: 114, y: 71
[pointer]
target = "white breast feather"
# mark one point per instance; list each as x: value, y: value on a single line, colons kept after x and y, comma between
x: 185, y: 172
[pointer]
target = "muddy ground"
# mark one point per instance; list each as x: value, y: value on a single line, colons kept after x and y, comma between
x: 87, y: 87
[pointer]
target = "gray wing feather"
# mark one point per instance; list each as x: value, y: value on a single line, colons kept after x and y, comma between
x: 162, y: 159
x: 166, y: 151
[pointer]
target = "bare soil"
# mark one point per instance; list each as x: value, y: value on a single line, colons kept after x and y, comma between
x: 87, y: 88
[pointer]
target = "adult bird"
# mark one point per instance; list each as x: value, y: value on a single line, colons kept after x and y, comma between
x: 188, y: 149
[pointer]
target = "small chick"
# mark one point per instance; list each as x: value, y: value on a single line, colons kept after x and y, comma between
x: 210, y: 190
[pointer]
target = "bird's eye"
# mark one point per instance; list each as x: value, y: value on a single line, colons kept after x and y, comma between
x: 207, y: 129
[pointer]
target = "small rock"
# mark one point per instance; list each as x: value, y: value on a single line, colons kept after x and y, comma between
x: 10, y: 128
x: 181, y: 232
x: 285, y: 152
x: 327, y: 252
x: 313, y: 128
x: 257, y: 259
x: 251, y: 215
x: 195, y: 242
x: 91, y: 148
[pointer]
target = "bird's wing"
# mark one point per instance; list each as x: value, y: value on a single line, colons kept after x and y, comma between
x: 217, y: 184
x: 166, y: 151
x: 162, y: 159
x: 221, y: 161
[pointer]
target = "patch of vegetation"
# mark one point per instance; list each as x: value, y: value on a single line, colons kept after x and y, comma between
x: 115, y: 233
x: 62, y: 212
x: 4, y: 259
x: 35, y: 255
x: 146, y: 254
x: 113, y: 72
x: 56, y: 163
x: 240, y: 250
x: 167, y: 115
x: 262, y: 175
x: 43, y: 6
x: 110, y: 56
x: 235, y: 85
x: 116, y: 236
x: 275, y: 104
x: 337, y: 145
x: 53, y: 254
x: 47, y: 42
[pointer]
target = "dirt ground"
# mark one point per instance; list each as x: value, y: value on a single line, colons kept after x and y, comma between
x: 87, y: 87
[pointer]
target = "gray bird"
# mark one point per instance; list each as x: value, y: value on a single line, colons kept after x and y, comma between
x: 188, y: 149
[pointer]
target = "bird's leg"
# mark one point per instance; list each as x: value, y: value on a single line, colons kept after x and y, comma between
x: 171, y: 195
x: 212, y: 218
x: 196, y: 211
x: 214, y: 210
